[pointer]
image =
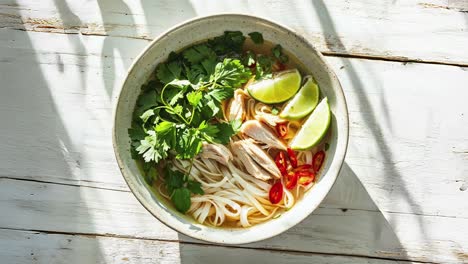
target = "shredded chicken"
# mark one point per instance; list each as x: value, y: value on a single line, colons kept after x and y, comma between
x: 217, y: 152
x: 236, y: 108
x: 260, y: 156
x: 261, y: 133
x: 250, y: 165
x: 271, y: 120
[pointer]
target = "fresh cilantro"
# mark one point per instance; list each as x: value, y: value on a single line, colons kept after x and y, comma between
x: 230, y: 41
x: 181, y: 199
x: 256, y: 37
x: 173, y: 179
x: 221, y: 94
x: 226, y: 131
x: 146, y: 115
x: 151, y: 175
x: 167, y: 72
x: 194, y: 97
x: 249, y: 58
x: 327, y: 146
x: 198, y: 53
x: 195, y: 187
x: 278, y: 53
x: 179, y: 188
x: 263, y: 67
x: 151, y: 149
x: 274, y: 110
x: 230, y: 73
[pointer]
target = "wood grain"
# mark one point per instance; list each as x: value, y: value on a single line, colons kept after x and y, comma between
x: 396, y: 30
x: 23, y: 247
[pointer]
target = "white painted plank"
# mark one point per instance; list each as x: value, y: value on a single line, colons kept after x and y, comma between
x: 53, y: 207
x: 431, y: 30
x: 23, y: 247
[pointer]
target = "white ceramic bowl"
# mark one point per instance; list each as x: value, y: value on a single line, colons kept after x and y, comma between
x: 197, y: 30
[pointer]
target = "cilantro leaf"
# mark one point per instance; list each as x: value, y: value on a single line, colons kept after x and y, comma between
x: 220, y: 94
x: 151, y: 175
x: 274, y: 110
x: 229, y: 41
x: 249, y: 58
x: 256, y: 37
x: 230, y: 73
x: 194, y: 97
x: 173, y: 179
x: 188, y: 143
x: 136, y: 133
x: 151, y: 148
x: 181, y: 199
x: 146, y: 115
x: 263, y: 67
x: 167, y: 72
x: 226, y: 130
x: 195, y: 187
x: 278, y: 54
x: 198, y: 53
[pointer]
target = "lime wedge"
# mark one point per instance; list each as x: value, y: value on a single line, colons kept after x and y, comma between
x: 279, y: 88
x: 314, y: 128
x: 303, y: 102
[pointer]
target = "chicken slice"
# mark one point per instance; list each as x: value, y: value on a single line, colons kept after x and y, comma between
x: 236, y: 108
x: 270, y: 119
x: 250, y: 165
x: 260, y: 156
x: 217, y: 152
x: 261, y: 133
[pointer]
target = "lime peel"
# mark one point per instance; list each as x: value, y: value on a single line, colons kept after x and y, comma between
x: 278, y: 89
x: 303, y: 102
x: 314, y: 128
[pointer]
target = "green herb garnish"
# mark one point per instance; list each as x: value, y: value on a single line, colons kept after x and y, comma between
x: 256, y: 37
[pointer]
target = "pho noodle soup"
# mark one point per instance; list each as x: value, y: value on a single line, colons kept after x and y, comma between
x: 231, y: 131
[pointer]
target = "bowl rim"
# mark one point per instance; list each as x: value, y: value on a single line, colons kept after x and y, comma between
x: 339, y: 94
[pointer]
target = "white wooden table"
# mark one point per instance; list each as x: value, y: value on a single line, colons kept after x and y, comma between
x: 402, y: 194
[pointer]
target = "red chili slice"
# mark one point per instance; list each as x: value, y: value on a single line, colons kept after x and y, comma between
x: 303, y: 167
x: 292, y: 157
x: 281, y: 162
x: 276, y: 193
x: 306, y: 180
x: 282, y: 130
x: 290, y: 180
x: 318, y: 160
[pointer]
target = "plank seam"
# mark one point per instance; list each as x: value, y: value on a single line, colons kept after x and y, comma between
x: 298, y: 252
x: 402, y: 59
x: 322, y: 207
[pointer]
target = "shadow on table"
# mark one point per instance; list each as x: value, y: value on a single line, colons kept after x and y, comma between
x: 39, y: 143
x: 348, y: 222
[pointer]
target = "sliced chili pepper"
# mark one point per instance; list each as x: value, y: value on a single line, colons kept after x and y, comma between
x: 318, y: 160
x: 276, y: 193
x: 303, y: 167
x: 292, y: 157
x: 282, y: 130
x: 290, y: 180
x: 281, y: 162
x: 305, y: 180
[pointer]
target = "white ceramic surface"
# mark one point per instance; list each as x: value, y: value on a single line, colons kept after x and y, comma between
x: 197, y: 30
